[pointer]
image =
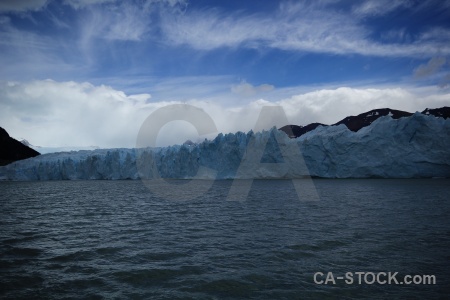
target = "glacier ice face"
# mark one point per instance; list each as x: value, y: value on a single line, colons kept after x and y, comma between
x: 416, y: 146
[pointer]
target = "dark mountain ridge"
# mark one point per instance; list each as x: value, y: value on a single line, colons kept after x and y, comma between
x: 355, y: 123
x: 12, y: 150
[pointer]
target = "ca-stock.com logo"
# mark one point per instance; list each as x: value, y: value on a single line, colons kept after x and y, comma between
x: 148, y: 159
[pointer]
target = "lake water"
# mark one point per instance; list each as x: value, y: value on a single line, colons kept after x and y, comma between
x: 116, y: 239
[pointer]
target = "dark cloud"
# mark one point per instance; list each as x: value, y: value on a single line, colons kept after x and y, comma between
x: 433, y: 66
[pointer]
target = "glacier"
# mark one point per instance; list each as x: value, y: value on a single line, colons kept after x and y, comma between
x: 410, y: 147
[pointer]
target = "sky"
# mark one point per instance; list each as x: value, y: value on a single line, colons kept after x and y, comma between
x: 89, y: 72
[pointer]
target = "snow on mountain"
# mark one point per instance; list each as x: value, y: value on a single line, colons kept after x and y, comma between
x: 355, y: 123
x: 415, y: 146
x: 26, y: 143
x: 443, y: 112
x: 45, y: 150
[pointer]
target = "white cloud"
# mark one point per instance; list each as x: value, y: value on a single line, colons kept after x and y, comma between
x: 378, y: 7
x: 124, y: 23
x: 28, y: 53
x: 297, y: 27
x: 19, y: 6
x: 78, y: 4
x: 21, y: 40
x: 329, y: 106
x: 119, y: 21
x: 81, y: 40
x: 100, y: 27
x: 49, y: 113
x: 246, y: 89
x: 128, y: 23
x: 400, y: 35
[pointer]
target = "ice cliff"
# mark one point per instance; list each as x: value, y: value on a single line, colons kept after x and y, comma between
x: 415, y: 146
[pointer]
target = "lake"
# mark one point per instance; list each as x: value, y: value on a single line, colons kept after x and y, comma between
x: 118, y: 239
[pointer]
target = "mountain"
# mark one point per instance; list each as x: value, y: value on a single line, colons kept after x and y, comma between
x: 407, y: 147
x: 12, y: 150
x: 294, y: 131
x: 26, y: 143
x: 355, y: 123
x: 443, y: 112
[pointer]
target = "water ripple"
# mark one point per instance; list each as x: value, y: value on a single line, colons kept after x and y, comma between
x: 115, y: 239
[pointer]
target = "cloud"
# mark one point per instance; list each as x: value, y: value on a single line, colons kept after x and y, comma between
x: 20, y: 40
x: 19, y: 6
x: 397, y: 36
x: 103, y: 35
x: 372, y: 8
x: 118, y: 22
x: 246, y: 89
x: 436, y: 69
x: 79, y: 4
x: 124, y: 22
x: 430, y: 68
x: 128, y: 23
x: 50, y: 113
x: 331, y: 105
x: 294, y: 27
x: 67, y: 44
x: 26, y: 53
x: 445, y: 81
